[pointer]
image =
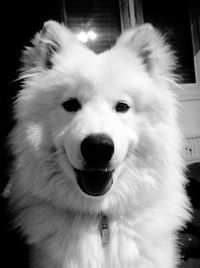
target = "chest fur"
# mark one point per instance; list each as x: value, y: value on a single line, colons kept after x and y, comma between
x: 92, y: 244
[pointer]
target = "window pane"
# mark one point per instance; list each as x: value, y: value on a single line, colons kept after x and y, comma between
x: 102, y: 17
x: 172, y: 17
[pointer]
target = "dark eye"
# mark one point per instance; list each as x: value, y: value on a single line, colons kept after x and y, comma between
x: 122, y: 107
x: 71, y: 105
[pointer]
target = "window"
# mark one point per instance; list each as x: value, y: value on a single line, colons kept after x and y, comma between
x: 180, y: 20
x: 96, y: 22
x: 99, y: 22
x: 167, y: 16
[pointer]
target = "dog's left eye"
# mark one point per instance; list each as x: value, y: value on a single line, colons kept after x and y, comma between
x: 122, y: 107
x: 71, y: 105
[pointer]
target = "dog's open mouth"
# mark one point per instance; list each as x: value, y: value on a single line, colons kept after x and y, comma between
x: 94, y: 182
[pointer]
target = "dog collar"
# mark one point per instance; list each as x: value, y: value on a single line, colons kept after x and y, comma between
x: 104, y: 229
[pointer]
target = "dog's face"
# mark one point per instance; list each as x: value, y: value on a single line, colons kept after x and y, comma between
x: 97, y: 122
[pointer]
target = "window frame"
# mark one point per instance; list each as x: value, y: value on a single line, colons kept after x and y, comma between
x: 131, y: 15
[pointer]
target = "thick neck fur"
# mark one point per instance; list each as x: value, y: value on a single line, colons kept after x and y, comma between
x: 65, y: 237
x: 71, y: 239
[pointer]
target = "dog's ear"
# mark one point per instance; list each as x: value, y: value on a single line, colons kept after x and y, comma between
x: 150, y: 46
x: 46, y: 45
x: 49, y: 42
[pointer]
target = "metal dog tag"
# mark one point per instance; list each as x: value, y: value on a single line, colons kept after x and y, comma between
x: 104, y: 229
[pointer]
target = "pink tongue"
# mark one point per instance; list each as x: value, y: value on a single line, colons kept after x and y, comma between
x: 95, y: 182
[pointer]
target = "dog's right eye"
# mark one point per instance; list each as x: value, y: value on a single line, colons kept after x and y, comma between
x: 71, y: 105
x: 122, y: 107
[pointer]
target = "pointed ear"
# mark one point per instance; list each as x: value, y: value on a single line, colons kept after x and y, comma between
x: 150, y: 46
x: 46, y: 44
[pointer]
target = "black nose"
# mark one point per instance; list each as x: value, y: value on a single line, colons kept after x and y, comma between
x: 97, y: 149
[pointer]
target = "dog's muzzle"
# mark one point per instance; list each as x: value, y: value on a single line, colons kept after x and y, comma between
x: 97, y: 151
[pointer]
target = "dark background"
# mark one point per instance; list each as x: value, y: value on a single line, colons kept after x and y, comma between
x: 20, y: 20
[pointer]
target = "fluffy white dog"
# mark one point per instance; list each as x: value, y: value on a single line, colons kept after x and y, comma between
x: 98, y: 179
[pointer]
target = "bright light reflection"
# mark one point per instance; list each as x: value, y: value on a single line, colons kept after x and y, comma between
x: 92, y: 35
x: 82, y: 36
x: 86, y: 36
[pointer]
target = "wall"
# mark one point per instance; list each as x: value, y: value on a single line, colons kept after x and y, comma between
x: 190, y: 117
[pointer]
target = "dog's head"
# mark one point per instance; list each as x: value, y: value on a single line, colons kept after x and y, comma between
x: 98, y: 128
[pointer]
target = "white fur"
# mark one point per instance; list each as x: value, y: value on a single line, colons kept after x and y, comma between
x: 146, y: 204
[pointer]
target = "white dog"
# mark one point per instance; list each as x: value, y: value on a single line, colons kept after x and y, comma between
x: 98, y: 179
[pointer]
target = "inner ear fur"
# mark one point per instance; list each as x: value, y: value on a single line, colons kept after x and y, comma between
x: 46, y: 44
x: 49, y: 43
